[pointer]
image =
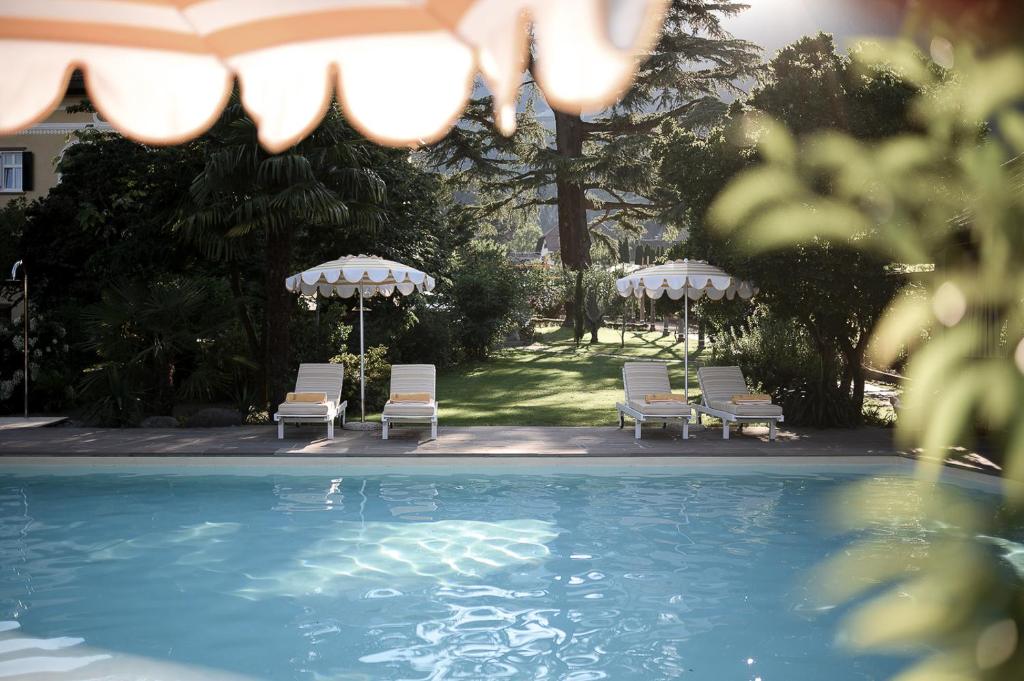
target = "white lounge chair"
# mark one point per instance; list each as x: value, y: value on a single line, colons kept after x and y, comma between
x: 408, y: 379
x: 640, y: 379
x: 718, y: 385
x: 315, y: 378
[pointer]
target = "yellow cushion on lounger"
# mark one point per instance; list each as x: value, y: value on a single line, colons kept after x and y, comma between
x: 664, y: 397
x: 306, y: 408
x: 660, y: 408
x: 410, y: 397
x: 314, y: 398
x: 751, y: 399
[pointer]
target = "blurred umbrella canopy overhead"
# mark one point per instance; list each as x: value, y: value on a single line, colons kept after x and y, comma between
x: 160, y: 71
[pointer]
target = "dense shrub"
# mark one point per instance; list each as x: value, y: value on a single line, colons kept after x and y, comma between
x: 157, y: 343
x: 112, y: 398
x: 320, y: 333
x: 777, y: 357
x: 488, y: 298
x: 378, y: 378
x: 427, y: 338
x: 547, y: 288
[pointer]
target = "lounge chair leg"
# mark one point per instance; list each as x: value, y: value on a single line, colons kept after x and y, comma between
x: 384, y: 429
x: 636, y: 430
x: 622, y: 420
x: 280, y: 429
x: 330, y: 429
x: 686, y: 429
x: 771, y: 430
x: 725, y: 429
x: 433, y: 430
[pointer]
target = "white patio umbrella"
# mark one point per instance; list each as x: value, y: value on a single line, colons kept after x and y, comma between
x: 363, y: 275
x: 160, y: 70
x: 684, y: 278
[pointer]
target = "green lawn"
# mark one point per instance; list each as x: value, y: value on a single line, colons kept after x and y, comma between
x: 552, y: 383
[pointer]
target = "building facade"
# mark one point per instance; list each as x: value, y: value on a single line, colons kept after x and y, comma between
x: 28, y: 159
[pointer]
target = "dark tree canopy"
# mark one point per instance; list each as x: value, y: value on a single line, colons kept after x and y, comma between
x: 247, y: 200
x: 832, y: 290
x: 135, y: 234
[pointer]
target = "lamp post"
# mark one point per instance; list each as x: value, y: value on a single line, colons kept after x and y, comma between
x: 24, y: 317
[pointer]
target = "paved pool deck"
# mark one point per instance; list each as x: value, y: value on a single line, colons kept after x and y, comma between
x: 490, y: 441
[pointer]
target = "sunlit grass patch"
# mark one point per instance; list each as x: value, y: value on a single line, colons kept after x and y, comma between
x: 553, y: 383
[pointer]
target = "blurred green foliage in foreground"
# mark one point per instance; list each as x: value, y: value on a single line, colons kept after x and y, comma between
x: 946, y: 203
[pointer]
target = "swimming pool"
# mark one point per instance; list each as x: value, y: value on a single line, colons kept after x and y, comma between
x: 340, y: 571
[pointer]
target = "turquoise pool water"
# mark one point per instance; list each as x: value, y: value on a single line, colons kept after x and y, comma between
x: 473, y: 575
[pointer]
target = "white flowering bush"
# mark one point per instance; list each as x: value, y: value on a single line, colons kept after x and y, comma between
x: 48, y: 359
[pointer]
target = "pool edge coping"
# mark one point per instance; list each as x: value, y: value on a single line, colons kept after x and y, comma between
x: 508, y: 464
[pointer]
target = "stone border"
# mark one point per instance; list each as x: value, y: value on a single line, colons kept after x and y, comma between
x: 507, y: 465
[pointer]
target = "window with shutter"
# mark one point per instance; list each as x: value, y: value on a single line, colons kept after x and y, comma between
x: 28, y: 175
x: 12, y: 171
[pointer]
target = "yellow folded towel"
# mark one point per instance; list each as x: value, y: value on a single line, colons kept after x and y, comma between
x: 664, y: 397
x: 315, y: 398
x: 751, y: 399
x: 410, y: 397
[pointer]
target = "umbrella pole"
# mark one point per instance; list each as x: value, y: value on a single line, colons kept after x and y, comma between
x: 686, y: 344
x: 362, y: 362
x: 625, y: 307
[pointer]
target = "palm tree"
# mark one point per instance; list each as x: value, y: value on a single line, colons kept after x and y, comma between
x: 246, y: 199
x: 143, y: 334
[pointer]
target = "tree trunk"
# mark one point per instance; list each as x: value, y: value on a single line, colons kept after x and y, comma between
x: 573, y: 234
x: 578, y: 309
x: 255, y: 350
x: 846, y: 380
x: 165, y: 388
x: 701, y: 331
x: 569, y: 312
x: 856, y: 365
x: 594, y: 315
x: 277, y: 315
x: 828, y: 358
x: 858, y: 389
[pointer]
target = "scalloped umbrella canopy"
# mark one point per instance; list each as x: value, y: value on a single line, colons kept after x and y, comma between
x: 692, y: 279
x: 345, y: 276
x: 160, y: 71
x: 352, y: 274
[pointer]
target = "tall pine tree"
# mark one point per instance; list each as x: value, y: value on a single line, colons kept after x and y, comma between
x: 598, y: 170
